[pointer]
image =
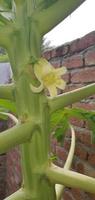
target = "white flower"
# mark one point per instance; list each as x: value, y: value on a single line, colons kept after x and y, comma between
x: 49, y: 77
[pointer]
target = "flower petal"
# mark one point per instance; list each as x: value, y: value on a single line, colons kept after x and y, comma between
x: 60, y: 71
x: 52, y: 90
x: 61, y: 84
x: 42, y: 68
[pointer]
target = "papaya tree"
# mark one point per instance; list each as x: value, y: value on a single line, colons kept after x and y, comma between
x: 23, y: 23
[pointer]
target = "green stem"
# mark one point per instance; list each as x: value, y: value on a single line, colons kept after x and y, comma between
x: 70, y: 97
x: 6, y: 91
x: 35, y: 154
x: 59, y: 188
x: 71, y: 179
x: 14, y: 136
x: 11, y: 116
x: 19, y: 2
x: 5, y: 35
x: 54, y: 14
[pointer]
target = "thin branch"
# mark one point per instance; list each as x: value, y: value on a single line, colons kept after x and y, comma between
x: 6, y: 91
x: 59, y: 188
x: 19, y: 195
x: 16, y: 135
x: 71, y: 179
x: 11, y: 116
x: 54, y: 14
x: 70, y: 97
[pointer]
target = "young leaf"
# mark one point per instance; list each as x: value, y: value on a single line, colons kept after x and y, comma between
x: 60, y: 120
x: 56, y: 117
x: 8, y: 105
x: 59, y: 125
x: 4, y: 117
x: 80, y: 113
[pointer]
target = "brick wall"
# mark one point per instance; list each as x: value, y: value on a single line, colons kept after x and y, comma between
x: 79, y: 58
x: 3, y: 126
x: 5, y: 77
x: 13, y: 172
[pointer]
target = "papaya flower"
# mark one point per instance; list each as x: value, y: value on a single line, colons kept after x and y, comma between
x: 49, y: 77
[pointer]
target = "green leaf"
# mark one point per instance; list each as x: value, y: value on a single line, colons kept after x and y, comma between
x: 60, y: 131
x: 60, y: 120
x: 2, y: 116
x: 56, y: 117
x: 53, y: 157
x: 6, y: 4
x: 80, y: 113
x: 8, y: 105
x: 85, y: 115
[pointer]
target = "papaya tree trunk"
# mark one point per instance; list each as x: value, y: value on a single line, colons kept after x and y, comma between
x: 31, y: 107
x: 35, y: 153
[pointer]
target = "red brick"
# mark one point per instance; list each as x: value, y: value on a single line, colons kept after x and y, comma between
x: 66, y: 77
x: 61, y: 153
x: 83, y: 76
x: 78, y: 194
x: 67, y: 195
x: 47, y: 55
x: 67, y: 144
x: 90, y: 57
x: 92, y: 196
x: 83, y: 43
x: 74, y: 46
x: 77, y: 122
x: 80, y: 151
x: 79, y: 167
x: 53, y: 53
x: 91, y: 158
x: 13, y: 175
x: 84, y: 137
x: 74, y: 86
x: 56, y: 63
x: 2, y: 175
x: 89, y: 170
x: 75, y: 61
x: 60, y: 51
x: 86, y: 106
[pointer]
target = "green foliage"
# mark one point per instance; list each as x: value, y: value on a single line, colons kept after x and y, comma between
x: 4, y: 58
x: 2, y: 116
x: 6, y: 4
x: 6, y: 105
x: 80, y: 113
x: 60, y: 121
x: 59, y: 124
